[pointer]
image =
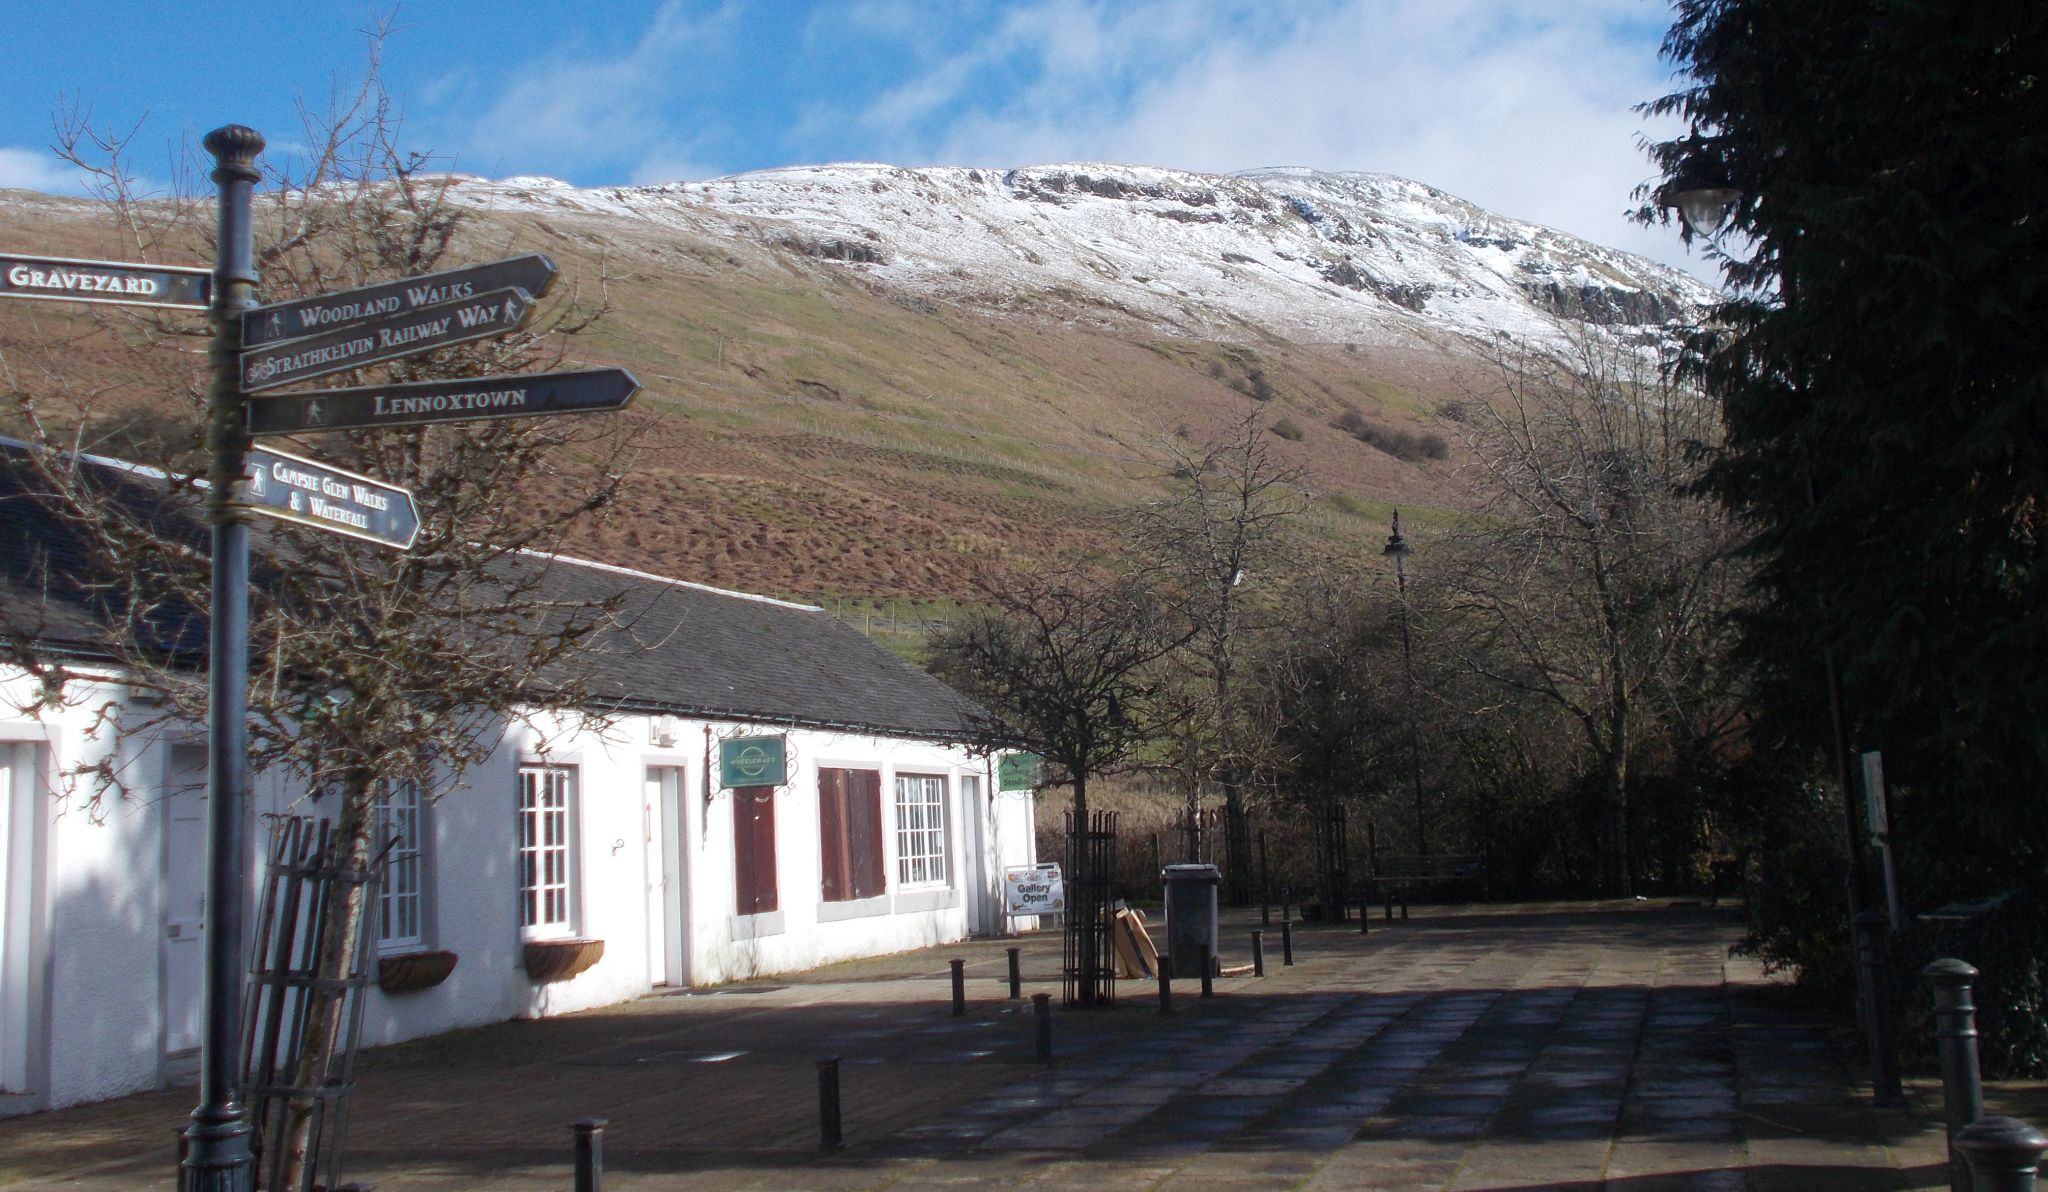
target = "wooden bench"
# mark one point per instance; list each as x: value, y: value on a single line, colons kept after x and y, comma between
x: 1394, y: 877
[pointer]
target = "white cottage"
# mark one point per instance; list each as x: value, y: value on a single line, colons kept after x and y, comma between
x: 886, y: 832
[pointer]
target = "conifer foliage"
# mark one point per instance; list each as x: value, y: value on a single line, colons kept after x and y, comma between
x: 1885, y: 383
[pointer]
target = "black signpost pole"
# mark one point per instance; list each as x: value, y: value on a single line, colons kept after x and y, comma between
x: 217, y: 1154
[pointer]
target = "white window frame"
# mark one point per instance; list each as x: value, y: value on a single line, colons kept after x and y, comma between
x: 403, y: 894
x: 547, y: 851
x: 923, y: 839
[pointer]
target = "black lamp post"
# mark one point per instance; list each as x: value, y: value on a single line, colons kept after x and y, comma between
x: 1397, y: 549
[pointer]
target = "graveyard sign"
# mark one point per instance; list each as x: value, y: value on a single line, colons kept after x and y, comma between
x: 408, y: 334
x: 372, y: 407
x: 63, y: 279
x: 302, y: 317
x: 290, y: 488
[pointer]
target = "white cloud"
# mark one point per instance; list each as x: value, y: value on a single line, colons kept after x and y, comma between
x: 1522, y: 106
x: 558, y: 115
x: 38, y: 169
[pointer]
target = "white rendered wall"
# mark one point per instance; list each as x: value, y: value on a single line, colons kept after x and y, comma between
x: 96, y: 951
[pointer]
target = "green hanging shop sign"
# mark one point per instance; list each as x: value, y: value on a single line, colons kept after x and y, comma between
x: 1017, y: 771
x: 752, y: 761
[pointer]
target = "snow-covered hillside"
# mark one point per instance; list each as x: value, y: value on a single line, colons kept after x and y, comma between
x: 1296, y: 253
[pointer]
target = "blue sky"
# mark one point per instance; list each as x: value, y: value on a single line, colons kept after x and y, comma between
x: 1522, y: 106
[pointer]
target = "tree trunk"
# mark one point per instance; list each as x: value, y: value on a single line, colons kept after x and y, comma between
x: 1086, y: 961
x: 340, y: 928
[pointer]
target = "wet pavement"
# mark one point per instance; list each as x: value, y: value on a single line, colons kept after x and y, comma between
x: 1581, y: 1047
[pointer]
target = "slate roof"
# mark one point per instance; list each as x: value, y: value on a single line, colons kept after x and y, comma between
x: 677, y: 648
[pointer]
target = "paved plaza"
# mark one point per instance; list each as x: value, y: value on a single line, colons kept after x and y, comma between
x: 1579, y: 1047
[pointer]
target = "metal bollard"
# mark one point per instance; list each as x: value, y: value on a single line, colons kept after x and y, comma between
x: 1258, y: 953
x: 1286, y: 943
x: 959, y: 987
x: 1208, y: 971
x: 1365, y: 916
x: 1041, y: 1005
x: 1165, y: 983
x: 589, y: 1154
x: 828, y: 1104
x: 1955, y: 1035
x: 1016, y: 976
x: 2004, y: 1153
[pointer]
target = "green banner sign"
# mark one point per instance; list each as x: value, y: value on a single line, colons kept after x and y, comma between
x: 1017, y: 771
x: 752, y: 761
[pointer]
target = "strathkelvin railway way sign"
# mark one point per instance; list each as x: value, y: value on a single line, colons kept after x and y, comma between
x: 533, y: 273
x: 371, y: 407
x: 66, y: 280
x: 416, y: 331
x: 321, y: 495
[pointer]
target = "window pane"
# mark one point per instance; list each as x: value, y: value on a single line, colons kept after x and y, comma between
x: 920, y: 829
x: 544, y: 861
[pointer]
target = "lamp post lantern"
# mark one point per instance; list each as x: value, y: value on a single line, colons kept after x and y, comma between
x: 1397, y: 548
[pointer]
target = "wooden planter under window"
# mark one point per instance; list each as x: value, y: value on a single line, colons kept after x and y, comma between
x: 559, y: 960
x: 414, y: 971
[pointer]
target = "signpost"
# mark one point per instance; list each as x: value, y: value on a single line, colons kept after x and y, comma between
x: 256, y: 348
x: 395, y: 338
x: 182, y: 287
x: 317, y: 494
x: 374, y: 407
x: 281, y: 321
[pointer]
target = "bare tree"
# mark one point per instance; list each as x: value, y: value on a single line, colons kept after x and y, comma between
x: 1215, y: 538
x: 1593, y: 576
x: 372, y: 668
x: 1326, y: 697
x: 1065, y: 662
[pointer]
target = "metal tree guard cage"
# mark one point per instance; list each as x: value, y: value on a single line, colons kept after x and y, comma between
x: 302, y: 878
x: 1090, y: 950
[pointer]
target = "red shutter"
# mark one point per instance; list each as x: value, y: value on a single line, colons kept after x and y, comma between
x: 753, y: 840
x: 832, y: 857
x: 864, y: 844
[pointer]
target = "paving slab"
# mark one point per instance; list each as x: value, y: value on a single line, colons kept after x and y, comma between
x: 1565, y: 1046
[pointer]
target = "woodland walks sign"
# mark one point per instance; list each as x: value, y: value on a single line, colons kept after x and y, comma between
x: 533, y: 273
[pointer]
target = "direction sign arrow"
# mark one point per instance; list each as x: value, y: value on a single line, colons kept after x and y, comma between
x: 321, y: 495
x: 184, y: 287
x: 371, y: 407
x: 533, y: 273
x: 395, y: 338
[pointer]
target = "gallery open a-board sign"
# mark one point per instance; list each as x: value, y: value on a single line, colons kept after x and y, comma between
x: 321, y: 495
x: 65, y: 279
x: 376, y: 407
x: 752, y: 761
x: 302, y: 317
x: 494, y: 312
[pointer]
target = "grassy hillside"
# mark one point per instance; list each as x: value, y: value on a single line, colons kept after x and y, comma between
x: 809, y: 433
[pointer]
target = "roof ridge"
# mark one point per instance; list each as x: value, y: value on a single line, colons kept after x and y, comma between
x: 616, y: 569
